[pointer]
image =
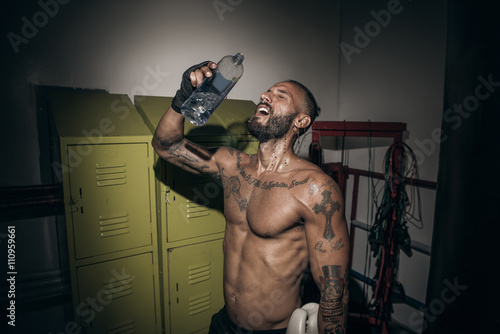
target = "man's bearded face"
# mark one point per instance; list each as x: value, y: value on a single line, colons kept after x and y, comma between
x: 276, y: 127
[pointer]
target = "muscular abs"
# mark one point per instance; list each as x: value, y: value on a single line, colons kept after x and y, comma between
x: 265, y: 246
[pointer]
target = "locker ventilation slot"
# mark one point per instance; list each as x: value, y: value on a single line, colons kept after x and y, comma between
x: 200, y: 304
x: 110, y: 174
x: 119, y: 288
x: 194, y: 210
x: 111, y: 226
x: 199, y: 273
x: 125, y: 328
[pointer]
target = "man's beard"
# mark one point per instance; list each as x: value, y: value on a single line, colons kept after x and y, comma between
x: 276, y: 127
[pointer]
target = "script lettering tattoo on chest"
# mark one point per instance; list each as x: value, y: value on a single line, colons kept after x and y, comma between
x: 327, y: 207
x: 266, y: 185
x: 232, y: 187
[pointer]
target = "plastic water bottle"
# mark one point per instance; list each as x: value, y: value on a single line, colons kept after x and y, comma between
x: 205, y: 99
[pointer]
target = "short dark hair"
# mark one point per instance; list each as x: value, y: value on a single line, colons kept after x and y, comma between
x: 312, y: 107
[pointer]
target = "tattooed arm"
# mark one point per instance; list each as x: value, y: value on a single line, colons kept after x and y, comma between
x: 328, y: 245
x: 170, y: 144
x: 168, y: 140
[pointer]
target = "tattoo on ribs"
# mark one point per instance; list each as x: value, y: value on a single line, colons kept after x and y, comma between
x: 331, y: 307
x: 253, y: 181
x: 327, y: 207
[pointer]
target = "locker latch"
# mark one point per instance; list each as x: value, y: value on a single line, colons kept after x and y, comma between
x: 167, y: 192
x: 73, y: 203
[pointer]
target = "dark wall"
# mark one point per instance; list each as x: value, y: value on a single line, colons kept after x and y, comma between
x: 462, y: 295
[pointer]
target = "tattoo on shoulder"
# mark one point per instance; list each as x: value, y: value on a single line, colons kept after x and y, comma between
x: 327, y: 207
x: 314, y: 188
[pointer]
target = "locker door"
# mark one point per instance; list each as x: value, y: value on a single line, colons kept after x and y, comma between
x: 110, y: 198
x: 117, y: 296
x: 195, y: 203
x: 195, y: 286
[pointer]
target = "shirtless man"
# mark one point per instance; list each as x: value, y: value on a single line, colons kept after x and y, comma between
x: 282, y: 213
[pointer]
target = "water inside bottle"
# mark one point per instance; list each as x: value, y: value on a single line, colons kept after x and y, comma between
x: 200, y: 107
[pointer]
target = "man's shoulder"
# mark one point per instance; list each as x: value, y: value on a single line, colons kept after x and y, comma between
x: 230, y: 155
x: 314, y: 172
x: 319, y: 181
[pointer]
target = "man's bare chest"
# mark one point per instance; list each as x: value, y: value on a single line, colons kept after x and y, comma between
x: 266, y: 204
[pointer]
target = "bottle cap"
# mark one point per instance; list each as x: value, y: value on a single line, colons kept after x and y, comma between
x: 238, y: 58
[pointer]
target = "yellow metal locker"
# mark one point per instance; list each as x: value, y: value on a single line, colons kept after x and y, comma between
x: 105, y: 162
x: 194, y: 203
x: 195, y: 286
x: 110, y: 199
x: 118, y: 296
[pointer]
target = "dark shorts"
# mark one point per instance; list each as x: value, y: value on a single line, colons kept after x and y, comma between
x: 222, y: 324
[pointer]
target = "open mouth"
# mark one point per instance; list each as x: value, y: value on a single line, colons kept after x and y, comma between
x: 263, y: 109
